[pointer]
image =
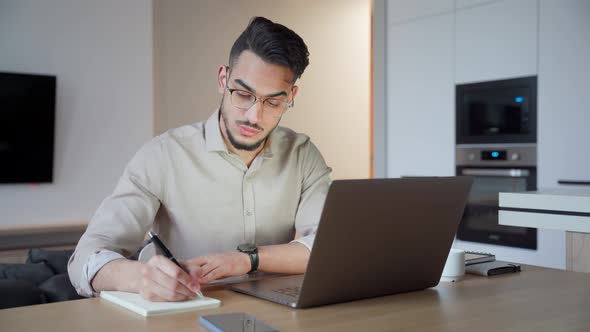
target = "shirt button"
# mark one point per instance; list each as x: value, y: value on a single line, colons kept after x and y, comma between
x: 248, y: 213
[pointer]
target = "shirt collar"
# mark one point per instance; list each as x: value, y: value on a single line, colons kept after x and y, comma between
x: 266, y: 152
x: 214, y: 140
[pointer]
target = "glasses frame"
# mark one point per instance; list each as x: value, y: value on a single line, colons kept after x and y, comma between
x: 256, y: 97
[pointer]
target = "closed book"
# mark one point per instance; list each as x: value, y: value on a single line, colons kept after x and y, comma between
x: 138, y: 304
x: 492, y: 268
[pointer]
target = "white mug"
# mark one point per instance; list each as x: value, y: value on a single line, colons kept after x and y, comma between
x: 455, y: 266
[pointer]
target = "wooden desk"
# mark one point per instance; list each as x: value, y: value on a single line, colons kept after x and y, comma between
x: 537, y: 299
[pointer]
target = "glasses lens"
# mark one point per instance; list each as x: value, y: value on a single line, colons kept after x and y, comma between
x: 242, y: 99
x: 275, y: 107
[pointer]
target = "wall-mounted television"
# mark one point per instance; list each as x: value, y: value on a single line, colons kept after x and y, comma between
x: 27, y: 127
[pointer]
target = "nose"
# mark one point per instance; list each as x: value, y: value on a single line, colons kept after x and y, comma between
x: 254, y: 112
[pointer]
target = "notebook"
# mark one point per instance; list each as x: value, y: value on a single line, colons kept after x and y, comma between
x: 137, y: 304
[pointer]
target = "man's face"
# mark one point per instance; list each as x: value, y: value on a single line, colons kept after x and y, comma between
x: 247, y: 129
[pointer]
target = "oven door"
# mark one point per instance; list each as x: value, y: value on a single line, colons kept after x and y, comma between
x: 480, y: 219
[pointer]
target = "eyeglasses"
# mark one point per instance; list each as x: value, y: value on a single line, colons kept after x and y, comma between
x: 271, y: 106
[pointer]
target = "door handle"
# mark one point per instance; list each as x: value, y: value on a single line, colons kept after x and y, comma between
x: 513, y: 172
x: 574, y: 182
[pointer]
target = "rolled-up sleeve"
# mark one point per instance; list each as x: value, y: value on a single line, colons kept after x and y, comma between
x: 119, y: 225
x: 94, y: 263
x: 316, y: 182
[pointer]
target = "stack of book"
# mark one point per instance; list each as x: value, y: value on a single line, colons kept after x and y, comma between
x: 485, y: 264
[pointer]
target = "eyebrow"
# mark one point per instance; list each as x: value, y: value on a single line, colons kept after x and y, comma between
x: 247, y: 87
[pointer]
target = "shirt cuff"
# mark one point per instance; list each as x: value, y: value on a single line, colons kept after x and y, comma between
x: 307, y: 241
x: 95, y: 262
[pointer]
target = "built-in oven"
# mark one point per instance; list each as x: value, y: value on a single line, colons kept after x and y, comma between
x: 496, y: 136
x: 495, y: 169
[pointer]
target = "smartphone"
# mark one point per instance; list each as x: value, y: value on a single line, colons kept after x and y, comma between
x: 234, y: 322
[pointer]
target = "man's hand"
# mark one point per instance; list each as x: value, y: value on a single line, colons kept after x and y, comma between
x: 162, y: 280
x: 217, y: 266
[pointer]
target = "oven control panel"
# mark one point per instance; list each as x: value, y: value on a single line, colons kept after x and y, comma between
x: 508, y: 155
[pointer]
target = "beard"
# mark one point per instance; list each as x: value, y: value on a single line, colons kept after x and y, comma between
x: 233, y: 140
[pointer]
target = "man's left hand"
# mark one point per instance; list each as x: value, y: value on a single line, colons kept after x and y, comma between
x: 223, y: 265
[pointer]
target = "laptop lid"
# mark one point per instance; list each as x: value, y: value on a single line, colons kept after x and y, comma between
x: 382, y: 236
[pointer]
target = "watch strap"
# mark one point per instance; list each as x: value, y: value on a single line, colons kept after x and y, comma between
x: 252, y: 251
x: 253, y: 261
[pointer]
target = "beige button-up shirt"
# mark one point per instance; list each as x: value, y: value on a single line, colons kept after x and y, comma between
x: 202, y: 199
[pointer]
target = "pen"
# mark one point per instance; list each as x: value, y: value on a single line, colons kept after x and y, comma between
x: 158, y: 243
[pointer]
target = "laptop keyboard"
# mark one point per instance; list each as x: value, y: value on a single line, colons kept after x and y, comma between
x: 289, y: 291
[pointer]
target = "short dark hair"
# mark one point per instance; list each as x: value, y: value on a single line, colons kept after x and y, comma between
x: 274, y: 43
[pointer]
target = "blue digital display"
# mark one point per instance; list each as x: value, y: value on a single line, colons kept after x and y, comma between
x: 493, y: 155
x: 519, y: 99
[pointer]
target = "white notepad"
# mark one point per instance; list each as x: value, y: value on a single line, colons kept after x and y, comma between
x: 136, y: 303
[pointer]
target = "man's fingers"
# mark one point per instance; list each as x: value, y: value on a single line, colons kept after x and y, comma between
x: 213, y: 274
x: 194, y: 270
x: 153, y: 291
x: 198, y: 261
x: 207, y: 268
x: 173, y: 285
x: 174, y: 271
x: 195, y: 273
x: 161, y: 264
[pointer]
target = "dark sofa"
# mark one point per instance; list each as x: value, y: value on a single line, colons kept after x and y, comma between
x: 42, y: 279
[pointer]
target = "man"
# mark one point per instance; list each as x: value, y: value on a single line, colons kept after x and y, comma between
x: 235, y: 181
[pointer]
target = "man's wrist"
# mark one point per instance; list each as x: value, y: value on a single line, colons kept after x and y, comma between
x: 135, y: 282
x: 246, y: 260
x: 119, y: 275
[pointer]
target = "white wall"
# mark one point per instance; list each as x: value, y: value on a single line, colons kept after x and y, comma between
x: 192, y: 38
x: 101, y: 52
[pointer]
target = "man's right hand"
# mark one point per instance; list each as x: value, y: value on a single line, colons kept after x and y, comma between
x: 157, y: 280
x: 162, y: 280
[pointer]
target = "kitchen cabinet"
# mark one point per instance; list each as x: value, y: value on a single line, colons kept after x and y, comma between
x: 496, y: 41
x: 460, y: 4
x: 399, y: 11
x: 563, y: 83
x: 420, y: 97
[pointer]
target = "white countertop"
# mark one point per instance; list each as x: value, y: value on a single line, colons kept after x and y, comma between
x: 563, y: 209
x: 570, y: 200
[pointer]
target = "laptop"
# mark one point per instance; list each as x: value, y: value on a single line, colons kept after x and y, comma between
x: 376, y: 237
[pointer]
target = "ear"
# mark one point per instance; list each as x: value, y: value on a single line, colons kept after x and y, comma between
x: 221, y: 78
x: 295, y: 89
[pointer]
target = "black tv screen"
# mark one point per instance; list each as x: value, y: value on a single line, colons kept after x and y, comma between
x: 27, y: 128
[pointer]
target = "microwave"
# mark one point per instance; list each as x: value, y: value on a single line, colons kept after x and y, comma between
x: 502, y: 111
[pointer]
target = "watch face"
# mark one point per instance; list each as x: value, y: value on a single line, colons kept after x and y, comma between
x: 247, y: 247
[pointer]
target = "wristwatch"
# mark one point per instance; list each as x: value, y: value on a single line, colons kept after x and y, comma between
x: 251, y: 250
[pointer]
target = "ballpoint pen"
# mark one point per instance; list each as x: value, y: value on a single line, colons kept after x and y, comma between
x: 158, y: 243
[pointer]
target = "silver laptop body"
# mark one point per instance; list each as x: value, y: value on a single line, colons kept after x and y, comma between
x: 376, y: 237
